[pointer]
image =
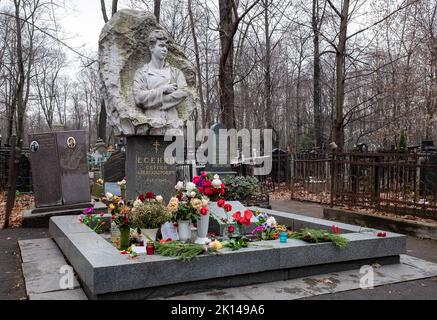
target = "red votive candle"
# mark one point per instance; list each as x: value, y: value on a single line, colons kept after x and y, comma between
x: 150, y: 248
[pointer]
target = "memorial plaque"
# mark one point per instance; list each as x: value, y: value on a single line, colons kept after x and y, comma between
x: 46, y: 172
x: 146, y: 168
x: 114, y: 168
x: 72, y: 150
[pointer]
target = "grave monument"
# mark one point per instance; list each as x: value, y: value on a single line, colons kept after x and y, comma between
x: 149, y: 90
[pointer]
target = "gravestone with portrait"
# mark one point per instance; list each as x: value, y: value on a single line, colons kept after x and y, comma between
x: 149, y: 91
x: 59, y: 173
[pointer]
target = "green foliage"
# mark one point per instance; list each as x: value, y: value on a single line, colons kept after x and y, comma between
x: 149, y: 215
x: 183, y: 251
x: 316, y: 236
x: 403, y: 143
x: 185, y: 212
x: 236, y: 244
x: 94, y: 222
x: 239, y: 188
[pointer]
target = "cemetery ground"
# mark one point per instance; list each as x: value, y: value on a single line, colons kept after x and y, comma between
x: 13, y: 286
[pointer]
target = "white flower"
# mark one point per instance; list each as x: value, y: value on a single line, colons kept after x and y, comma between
x: 190, y: 187
x: 109, y: 196
x: 205, y: 203
x: 217, y: 183
x: 192, y: 194
x: 216, y: 177
x: 179, y: 186
x: 137, y: 203
x: 271, y: 222
x: 160, y: 199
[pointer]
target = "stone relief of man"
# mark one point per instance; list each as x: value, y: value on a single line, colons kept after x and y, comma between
x: 158, y: 88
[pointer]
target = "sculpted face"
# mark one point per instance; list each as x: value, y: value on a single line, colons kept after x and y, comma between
x: 159, y: 50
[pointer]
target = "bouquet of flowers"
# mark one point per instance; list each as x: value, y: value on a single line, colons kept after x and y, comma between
x: 94, y: 221
x: 189, y: 203
x: 267, y: 227
x: 118, y: 208
x: 237, y: 220
x: 210, y: 186
x: 149, y: 212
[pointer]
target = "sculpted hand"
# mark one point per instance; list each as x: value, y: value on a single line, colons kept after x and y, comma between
x: 169, y: 89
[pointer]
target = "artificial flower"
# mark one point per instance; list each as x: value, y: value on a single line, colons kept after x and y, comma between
x: 197, y: 180
x: 204, y: 211
x: 221, y: 203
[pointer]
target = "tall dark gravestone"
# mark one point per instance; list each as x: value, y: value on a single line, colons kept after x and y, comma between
x: 114, y: 168
x: 60, y: 169
x: 146, y: 168
x: 220, y: 148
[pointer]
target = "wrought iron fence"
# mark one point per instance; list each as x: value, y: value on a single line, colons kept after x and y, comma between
x: 311, y: 173
x: 403, y: 183
x: 24, y: 180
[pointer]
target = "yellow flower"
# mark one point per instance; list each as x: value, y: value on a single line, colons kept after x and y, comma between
x: 112, y: 206
x: 197, y: 204
x: 217, y: 245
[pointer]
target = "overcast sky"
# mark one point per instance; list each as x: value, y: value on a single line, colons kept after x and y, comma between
x: 81, y: 22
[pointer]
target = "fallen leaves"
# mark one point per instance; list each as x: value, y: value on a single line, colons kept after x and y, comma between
x: 22, y: 203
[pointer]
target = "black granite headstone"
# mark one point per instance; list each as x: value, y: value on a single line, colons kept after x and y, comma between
x: 146, y: 168
x: 59, y: 168
x: 46, y: 171
x: 72, y: 150
x: 114, y: 168
x: 221, y: 166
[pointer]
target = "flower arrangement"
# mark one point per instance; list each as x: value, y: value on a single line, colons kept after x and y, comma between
x: 237, y: 220
x: 122, y: 185
x: 189, y: 204
x: 149, y: 212
x: 210, y: 186
x: 118, y: 208
x: 94, y: 221
x: 267, y: 227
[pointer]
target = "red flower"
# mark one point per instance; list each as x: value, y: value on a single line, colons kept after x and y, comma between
x: 207, y: 184
x: 222, y: 192
x: 200, y: 189
x: 208, y: 192
x: 125, y: 220
x: 236, y: 215
x: 221, y: 203
x: 248, y: 215
x: 204, y: 174
x: 102, y: 223
x: 231, y: 229
x: 228, y: 207
x: 142, y: 197
x: 204, y: 211
x: 102, y: 214
x: 150, y: 196
x: 197, y: 180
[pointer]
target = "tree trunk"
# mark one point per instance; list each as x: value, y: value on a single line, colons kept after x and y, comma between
x: 340, y: 78
x: 198, y: 66
x: 226, y: 68
x: 157, y: 9
x: 318, y: 126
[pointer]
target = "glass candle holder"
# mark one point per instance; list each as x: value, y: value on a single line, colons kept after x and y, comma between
x: 283, y: 237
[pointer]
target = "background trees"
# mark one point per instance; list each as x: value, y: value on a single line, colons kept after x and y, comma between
x: 314, y: 71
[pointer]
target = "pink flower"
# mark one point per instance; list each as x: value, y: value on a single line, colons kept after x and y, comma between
x: 197, y: 180
x: 204, y: 174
